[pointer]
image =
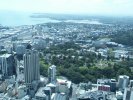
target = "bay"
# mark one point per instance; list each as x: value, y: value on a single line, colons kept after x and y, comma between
x: 22, y: 18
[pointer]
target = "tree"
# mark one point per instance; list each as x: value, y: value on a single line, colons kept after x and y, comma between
x: 43, y: 68
x: 108, y: 72
x: 89, y: 77
x: 122, y: 71
x: 83, y: 70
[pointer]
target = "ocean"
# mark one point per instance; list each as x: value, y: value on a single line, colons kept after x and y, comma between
x: 9, y: 18
x: 21, y: 18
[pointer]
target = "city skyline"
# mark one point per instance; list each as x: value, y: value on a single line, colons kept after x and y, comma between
x: 90, y: 7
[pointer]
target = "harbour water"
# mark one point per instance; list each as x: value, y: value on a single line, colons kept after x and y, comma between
x: 21, y: 18
x: 8, y: 18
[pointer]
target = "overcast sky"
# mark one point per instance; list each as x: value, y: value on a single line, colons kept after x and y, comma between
x: 98, y: 7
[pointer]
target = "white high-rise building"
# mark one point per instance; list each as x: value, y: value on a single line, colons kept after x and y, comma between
x: 123, y: 81
x: 128, y: 94
x: 52, y: 74
x: 31, y: 66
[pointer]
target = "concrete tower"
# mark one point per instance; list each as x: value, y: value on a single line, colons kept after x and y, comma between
x: 52, y: 74
x: 31, y: 66
x: 7, y: 65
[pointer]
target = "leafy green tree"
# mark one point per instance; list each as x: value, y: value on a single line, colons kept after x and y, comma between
x: 122, y: 71
x: 83, y: 70
x: 43, y: 69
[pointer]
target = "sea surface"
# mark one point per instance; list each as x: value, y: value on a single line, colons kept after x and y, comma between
x: 22, y: 18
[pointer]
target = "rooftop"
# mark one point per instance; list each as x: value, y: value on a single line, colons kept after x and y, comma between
x: 40, y: 92
x: 5, y: 55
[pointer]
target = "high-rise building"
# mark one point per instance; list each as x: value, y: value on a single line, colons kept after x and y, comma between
x: 128, y: 94
x: 52, y: 74
x: 31, y: 66
x: 7, y: 65
x: 123, y: 82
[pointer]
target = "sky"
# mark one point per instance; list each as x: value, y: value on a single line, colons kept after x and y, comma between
x: 96, y: 7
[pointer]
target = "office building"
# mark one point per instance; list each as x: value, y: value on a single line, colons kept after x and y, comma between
x: 128, y: 94
x: 52, y: 74
x: 43, y: 93
x: 20, y: 49
x: 64, y: 86
x: 109, y: 82
x: 31, y: 66
x: 7, y: 65
x: 123, y: 82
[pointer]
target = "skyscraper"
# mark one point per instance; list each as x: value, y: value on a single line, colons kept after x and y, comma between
x: 123, y: 82
x: 31, y: 66
x: 7, y: 65
x: 128, y: 94
x: 52, y: 74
